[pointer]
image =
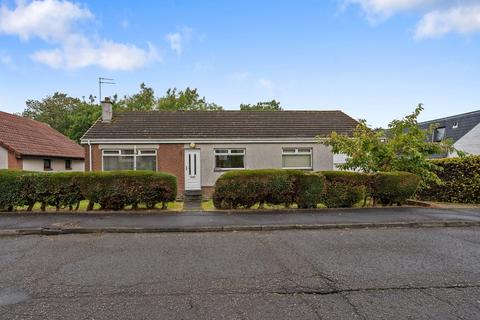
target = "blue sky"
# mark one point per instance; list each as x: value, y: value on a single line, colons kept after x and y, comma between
x: 374, y: 59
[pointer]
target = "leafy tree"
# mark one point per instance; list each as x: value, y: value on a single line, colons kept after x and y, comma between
x: 143, y: 100
x: 188, y: 99
x: 70, y: 116
x: 262, y: 106
x: 404, y: 146
x: 53, y: 110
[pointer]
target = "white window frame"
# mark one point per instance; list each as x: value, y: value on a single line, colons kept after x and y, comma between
x: 136, y: 153
x: 298, y: 153
x: 229, y: 152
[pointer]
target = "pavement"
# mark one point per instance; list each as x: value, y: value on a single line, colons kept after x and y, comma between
x: 398, y: 273
x: 198, y: 221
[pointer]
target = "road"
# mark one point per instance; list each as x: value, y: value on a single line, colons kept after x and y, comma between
x: 329, y: 274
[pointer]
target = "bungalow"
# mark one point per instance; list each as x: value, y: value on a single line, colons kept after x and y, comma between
x: 27, y: 144
x: 197, y: 147
x: 463, y: 129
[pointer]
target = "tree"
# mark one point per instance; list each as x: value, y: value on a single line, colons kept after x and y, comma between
x: 189, y: 99
x: 404, y: 146
x: 53, y: 110
x: 69, y: 116
x: 143, y: 100
x: 262, y: 106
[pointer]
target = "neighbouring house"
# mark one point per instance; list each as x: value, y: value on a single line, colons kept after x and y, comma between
x: 30, y: 145
x: 197, y: 147
x: 463, y: 129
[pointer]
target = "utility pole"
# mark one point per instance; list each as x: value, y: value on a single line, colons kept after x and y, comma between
x: 100, y: 82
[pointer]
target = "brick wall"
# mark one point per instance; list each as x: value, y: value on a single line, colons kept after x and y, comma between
x: 207, y: 192
x: 14, y: 162
x: 171, y: 160
x: 96, y: 158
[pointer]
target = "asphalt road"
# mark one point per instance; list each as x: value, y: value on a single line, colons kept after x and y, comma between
x: 357, y: 274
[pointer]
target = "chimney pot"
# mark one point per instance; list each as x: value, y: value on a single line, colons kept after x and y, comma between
x: 106, y: 110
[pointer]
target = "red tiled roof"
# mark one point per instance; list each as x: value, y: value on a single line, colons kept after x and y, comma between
x: 32, y: 138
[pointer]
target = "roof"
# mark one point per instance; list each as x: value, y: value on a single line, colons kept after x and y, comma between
x: 221, y: 125
x: 465, y: 123
x: 28, y: 137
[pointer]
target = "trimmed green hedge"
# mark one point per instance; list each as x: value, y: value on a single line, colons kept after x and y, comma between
x: 334, y: 189
x: 460, y: 181
x: 393, y: 187
x: 345, y: 189
x: 112, y: 190
x: 245, y: 188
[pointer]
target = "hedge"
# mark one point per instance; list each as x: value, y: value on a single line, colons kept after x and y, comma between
x: 345, y: 188
x: 460, y: 181
x: 393, y: 187
x: 245, y: 188
x: 112, y: 190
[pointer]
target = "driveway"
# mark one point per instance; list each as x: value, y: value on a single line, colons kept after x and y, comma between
x: 321, y: 274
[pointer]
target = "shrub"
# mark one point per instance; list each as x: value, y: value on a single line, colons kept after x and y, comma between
x: 112, y: 190
x: 460, y: 181
x: 245, y: 188
x: 345, y: 188
x: 394, y: 187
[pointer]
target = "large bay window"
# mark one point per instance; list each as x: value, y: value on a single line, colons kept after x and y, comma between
x: 130, y: 159
x: 229, y: 159
x: 297, y: 158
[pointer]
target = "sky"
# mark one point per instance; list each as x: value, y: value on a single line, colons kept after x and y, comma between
x: 373, y: 59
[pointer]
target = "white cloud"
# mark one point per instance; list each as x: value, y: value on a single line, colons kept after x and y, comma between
x: 175, y: 41
x: 462, y: 19
x: 6, y: 59
x: 48, y: 20
x: 78, y: 52
x: 55, y: 21
x: 178, y: 40
x: 265, y: 84
x: 439, y: 17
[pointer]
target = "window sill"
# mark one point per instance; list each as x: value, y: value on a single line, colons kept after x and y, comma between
x: 289, y: 168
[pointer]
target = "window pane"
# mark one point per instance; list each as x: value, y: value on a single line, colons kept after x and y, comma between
x: 229, y: 161
x: 304, y: 150
x: 127, y: 151
x: 241, y: 151
x: 439, y: 134
x: 297, y: 161
x: 147, y: 163
x: 221, y: 151
x: 147, y: 151
x: 288, y: 150
x: 110, y: 151
x: 117, y: 163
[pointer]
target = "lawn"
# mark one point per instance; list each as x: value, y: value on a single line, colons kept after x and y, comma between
x: 207, y: 205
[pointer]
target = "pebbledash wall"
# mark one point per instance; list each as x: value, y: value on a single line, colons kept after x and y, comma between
x: 170, y: 159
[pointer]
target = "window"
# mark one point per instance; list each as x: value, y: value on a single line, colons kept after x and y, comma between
x: 47, y: 164
x: 439, y: 134
x: 229, y: 159
x: 297, y: 158
x: 68, y: 164
x: 129, y: 159
x: 455, y: 125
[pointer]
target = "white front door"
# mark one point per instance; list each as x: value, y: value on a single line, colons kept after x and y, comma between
x: 192, y: 169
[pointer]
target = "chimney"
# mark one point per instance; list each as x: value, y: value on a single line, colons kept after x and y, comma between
x: 106, y: 110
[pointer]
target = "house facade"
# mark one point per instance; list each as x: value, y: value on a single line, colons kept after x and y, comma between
x: 463, y: 129
x: 198, y: 147
x: 30, y: 145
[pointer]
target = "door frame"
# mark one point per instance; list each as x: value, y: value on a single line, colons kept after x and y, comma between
x: 194, y: 167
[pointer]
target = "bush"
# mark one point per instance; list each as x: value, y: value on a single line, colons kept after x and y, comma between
x: 394, y: 187
x: 460, y: 181
x: 345, y: 188
x: 112, y: 190
x: 245, y: 188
